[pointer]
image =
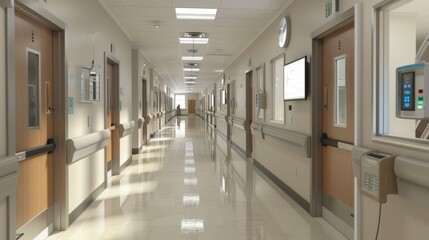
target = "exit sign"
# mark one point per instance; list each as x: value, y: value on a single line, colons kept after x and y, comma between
x: 331, y: 7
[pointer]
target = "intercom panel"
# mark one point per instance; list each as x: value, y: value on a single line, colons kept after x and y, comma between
x: 412, y: 95
x: 377, y: 176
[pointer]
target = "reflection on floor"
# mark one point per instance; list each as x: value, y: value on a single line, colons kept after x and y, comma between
x: 184, y: 185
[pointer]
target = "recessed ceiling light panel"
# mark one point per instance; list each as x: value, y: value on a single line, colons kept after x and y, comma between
x: 191, y: 69
x: 193, y: 40
x: 196, y: 13
x: 192, y: 58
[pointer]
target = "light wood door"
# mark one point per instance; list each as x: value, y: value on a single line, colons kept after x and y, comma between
x: 34, y: 116
x: 145, y: 105
x: 109, y: 118
x: 338, y: 123
x: 191, y: 106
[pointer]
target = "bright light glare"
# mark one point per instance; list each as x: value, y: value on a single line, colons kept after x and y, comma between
x: 191, y: 77
x: 194, y: 40
x: 192, y: 225
x: 191, y: 199
x: 191, y: 58
x: 191, y: 69
x: 196, y: 13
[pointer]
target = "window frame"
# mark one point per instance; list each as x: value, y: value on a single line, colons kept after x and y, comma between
x: 380, y: 84
x: 273, y: 106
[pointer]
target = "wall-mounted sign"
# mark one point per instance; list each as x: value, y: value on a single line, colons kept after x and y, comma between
x: 331, y: 7
x: 71, y: 105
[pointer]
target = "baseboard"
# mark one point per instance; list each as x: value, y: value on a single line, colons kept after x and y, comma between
x: 239, y: 150
x: 137, y: 150
x: 85, y: 204
x: 222, y: 135
x: 283, y: 186
x: 38, y: 227
x: 126, y: 163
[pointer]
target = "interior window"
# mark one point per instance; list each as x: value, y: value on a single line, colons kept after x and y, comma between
x: 402, y: 27
x: 277, y: 65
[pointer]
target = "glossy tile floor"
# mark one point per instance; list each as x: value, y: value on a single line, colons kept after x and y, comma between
x: 185, y: 185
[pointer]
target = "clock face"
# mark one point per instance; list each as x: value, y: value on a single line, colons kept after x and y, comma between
x: 284, y: 29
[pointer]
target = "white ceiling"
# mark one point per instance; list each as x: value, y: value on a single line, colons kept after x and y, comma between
x: 237, y: 24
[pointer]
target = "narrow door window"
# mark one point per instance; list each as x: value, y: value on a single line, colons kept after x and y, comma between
x: 340, y: 98
x: 33, y: 80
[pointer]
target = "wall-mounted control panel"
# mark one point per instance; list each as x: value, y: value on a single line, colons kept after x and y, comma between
x: 377, y: 176
x: 261, y: 99
x: 412, y: 95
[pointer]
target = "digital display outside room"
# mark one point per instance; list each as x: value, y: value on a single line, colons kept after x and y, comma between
x: 295, y: 80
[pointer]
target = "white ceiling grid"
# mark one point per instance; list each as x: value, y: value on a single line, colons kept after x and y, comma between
x: 237, y: 24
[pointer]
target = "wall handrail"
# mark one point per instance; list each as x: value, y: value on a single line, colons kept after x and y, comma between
x: 221, y: 116
x: 296, y: 142
x: 80, y: 147
x: 140, y: 123
x: 257, y: 129
x: 126, y: 129
x: 412, y: 170
x: 239, y: 123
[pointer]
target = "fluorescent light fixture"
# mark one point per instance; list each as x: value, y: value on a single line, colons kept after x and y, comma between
x: 191, y: 69
x: 219, y: 71
x: 196, y: 13
x: 194, y: 40
x: 191, y: 58
x: 191, y: 77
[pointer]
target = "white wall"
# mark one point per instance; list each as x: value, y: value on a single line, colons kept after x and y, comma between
x: 140, y: 70
x: 402, y: 32
x: 281, y: 162
x: 82, y: 17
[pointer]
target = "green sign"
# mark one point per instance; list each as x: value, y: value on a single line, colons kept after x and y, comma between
x: 331, y: 6
x: 70, y: 105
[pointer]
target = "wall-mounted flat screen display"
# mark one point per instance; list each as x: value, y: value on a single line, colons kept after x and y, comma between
x: 295, y: 80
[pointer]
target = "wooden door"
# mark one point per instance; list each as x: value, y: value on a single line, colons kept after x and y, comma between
x: 34, y: 117
x: 191, y: 106
x: 338, y: 123
x: 249, y: 113
x: 109, y: 118
x: 145, y: 101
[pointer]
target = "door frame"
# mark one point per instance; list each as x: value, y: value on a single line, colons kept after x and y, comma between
x: 351, y: 15
x: 36, y: 11
x: 116, y: 161
x: 249, y: 112
x: 145, y: 110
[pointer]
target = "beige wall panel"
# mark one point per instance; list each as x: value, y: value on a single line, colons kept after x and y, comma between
x: 292, y: 169
x: 84, y: 177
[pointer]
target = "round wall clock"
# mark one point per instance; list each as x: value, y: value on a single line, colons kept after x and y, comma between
x: 284, y: 32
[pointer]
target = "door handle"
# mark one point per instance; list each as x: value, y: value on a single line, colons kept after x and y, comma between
x: 325, y: 98
x: 335, y: 143
x: 49, y: 147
